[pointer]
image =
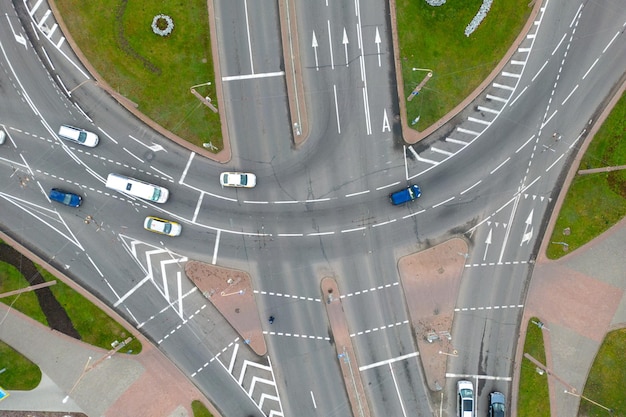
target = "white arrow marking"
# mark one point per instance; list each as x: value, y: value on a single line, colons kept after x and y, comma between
x: 156, y: 147
x: 527, y: 236
x: 386, y: 125
x: 377, y: 41
x: 19, y: 38
x: 345, y: 45
x: 487, y: 242
x: 315, y: 45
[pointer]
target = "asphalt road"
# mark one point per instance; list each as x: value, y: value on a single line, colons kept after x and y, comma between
x: 321, y: 210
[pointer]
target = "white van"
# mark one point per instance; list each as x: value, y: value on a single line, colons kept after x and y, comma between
x: 78, y: 135
x: 137, y: 188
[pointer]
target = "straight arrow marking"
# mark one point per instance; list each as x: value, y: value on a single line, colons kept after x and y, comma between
x: 487, y: 242
x: 377, y: 41
x: 315, y: 45
x: 345, y: 45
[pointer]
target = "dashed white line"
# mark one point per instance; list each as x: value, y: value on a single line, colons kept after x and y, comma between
x: 443, y: 202
x: 500, y: 166
x: 358, y: 193
x: 591, y: 67
x: 467, y: 189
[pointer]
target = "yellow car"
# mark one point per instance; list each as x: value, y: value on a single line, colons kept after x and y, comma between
x: 164, y: 227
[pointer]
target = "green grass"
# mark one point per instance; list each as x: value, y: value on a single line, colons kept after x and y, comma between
x: 199, y: 410
x: 607, y: 378
x: 434, y: 38
x: 94, y: 326
x: 10, y: 280
x: 595, y: 202
x: 20, y: 373
x: 533, y: 400
x: 153, y: 71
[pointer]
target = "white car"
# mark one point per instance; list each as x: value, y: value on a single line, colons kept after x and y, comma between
x: 238, y: 179
x: 164, y: 227
x: 3, y: 136
x: 465, y: 394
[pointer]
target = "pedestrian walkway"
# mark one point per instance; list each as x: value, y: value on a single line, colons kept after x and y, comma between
x: 122, y: 385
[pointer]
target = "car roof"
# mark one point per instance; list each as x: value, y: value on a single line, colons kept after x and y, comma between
x: 496, y: 397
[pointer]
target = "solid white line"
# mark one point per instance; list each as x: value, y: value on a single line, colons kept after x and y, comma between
x: 50, y: 62
x: 233, y: 358
x: 59, y: 43
x: 245, y: 5
x: 290, y: 234
x: 555, y: 162
x: 429, y: 161
x: 107, y: 135
x: 441, y: 151
x: 255, y: 202
x: 312, y: 397
x: 456, y: 141
x: 467, y: 189
x: 388, y: 361
x: 518, y: 96
x: 500, y: 166
x: 496, y: 98
x: 525, y: 143
x: 504, y: 87
x: 487, y: 377
x: 131, y: 154
x: 94, y: 265
x: 395, y: 383
x: 316, y: 200
x: 359, y: 193
x: 549, y: 118
x: 469, y: 132
x: 508, y: 229
x: 286, y: 202
x: 576, y: 15
x: 488, y: 110
x: 252, y: 76
x: 443, y: 202
x: 559, y: 44
x: 569, y: 95
x: 590, y: 68
x: 43, y: 19
x: 217, y: 245
x: 387, y: 186
x: 321, y: 234
x: 353, y: 230
x: 337, y: 109
x: 539, y: 72
x: 131, y: 291
x: 610, y: 42
x: 480, y: 121
x: 197, y: 210
x: 182, y: 178
x: 180, y: 293
x: 330, y: 45
x: 35, y: 7
x: 510, y: 74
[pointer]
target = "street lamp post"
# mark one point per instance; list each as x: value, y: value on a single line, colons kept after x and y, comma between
x: 590, y: 400
x: 85, y: 370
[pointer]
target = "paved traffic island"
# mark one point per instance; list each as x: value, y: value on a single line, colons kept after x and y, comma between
x: 345, y: 351
x: 430, y: 282
x: 230, y: 291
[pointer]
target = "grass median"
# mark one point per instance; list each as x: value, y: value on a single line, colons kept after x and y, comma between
x: 596, y: 201
x: 433, y: 38
x: 533, y: 399
x: 156, y: 72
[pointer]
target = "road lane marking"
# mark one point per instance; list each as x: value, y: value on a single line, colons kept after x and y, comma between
x: 376, y: 329
x: 488, y: 308
x: 388, y: 361
x: 297, y: 335
x: 395, y: 383
x: 330, y: 45
x: 467, y: 189
x: 253, y: 76
x: 380, y: 287
x: 217, y: 245
x: 297, y: 297
x: 500, y: 166
x: 487, y: 377
x: 358, y: 193
x: 443, y: 202
x: 245, y: 5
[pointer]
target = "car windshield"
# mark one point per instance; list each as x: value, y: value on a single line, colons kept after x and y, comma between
x: 244, y: 179
x: 82, y: 136
x: 466, y: 393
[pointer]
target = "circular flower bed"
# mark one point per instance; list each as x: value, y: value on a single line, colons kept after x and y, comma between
x: 162, y: 25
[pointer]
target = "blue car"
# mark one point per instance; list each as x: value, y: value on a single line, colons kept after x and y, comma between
x: 64, y: 197
x: 405, y: 195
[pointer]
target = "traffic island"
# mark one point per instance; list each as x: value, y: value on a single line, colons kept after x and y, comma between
x: 430, y: 281
x: 345, y: 351
x: 230, y: 291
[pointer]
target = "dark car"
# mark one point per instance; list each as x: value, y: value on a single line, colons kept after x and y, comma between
x: 405, y: 195
x: 496, y: 404
x: 65, y: 197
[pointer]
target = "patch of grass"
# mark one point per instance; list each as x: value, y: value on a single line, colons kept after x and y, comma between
x: 153, y: 71
x: 27, y: 303
x: 595, y: 202
x: 199, y: 410
x: 534, y: 399
x: 94, y: 326
x: 20, y: 373
x: 607, y: 378
x: 433, y: 38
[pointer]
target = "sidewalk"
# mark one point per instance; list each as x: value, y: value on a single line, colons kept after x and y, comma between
x: 123, y: 385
